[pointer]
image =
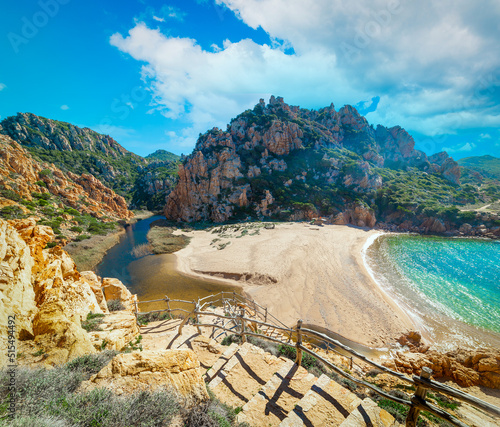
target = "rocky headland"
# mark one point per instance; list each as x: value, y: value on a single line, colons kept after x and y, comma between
x: 284, y: 162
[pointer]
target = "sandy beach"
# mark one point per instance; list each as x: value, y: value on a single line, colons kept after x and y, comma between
x: 299, y: 270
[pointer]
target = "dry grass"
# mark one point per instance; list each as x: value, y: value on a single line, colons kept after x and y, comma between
x: 164, y: 242
x: 142, y: 250
x: 88, y: 253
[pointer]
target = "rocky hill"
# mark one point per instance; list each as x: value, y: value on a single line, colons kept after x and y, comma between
x: 73, y: 205
x: 285, y: 162
x: 487, y: 166
x: 142, y: 182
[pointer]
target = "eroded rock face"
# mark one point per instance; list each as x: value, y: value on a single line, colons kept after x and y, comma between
x: 117, y: 330
x: 359, y: 215
x: 17, y: 297
x: 61, y: 337
x: 50, y: 298
x: 114, y: 289
x: 466, y: 368
x: 20, y: 173
x: 149, y: 370
x: 282, y: 153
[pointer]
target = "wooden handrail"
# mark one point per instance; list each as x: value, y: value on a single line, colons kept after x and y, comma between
x: 422, y: 383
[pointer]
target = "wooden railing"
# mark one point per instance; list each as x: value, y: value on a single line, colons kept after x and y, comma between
x: 262, y: 324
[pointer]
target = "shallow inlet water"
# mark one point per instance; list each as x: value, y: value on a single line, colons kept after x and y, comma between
x: 451, y: 287
x: 153, y: 276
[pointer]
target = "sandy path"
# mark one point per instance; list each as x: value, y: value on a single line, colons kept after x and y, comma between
x: 302, y: 271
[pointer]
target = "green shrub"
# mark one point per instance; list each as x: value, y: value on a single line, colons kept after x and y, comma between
x: 92, y: 322
x: 11, y: 195
x: 44, y: 196
x: 76, y: 229
x: 144, y: 319
x: 45, y: 172
x: 82, y: 237
x: 41, y: 184
x: 115, y: 305
x: 11, y: 212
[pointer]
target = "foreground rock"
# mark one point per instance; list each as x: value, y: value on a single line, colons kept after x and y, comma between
x: 50, y: 298
x: 116, y: 331
x: 150, y: 370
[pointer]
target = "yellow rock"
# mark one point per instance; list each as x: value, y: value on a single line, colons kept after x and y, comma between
x: 96, y: 285
x: 16, y: 291
x: 149, y: 370
x: 118, y: 329
x: 114, y: 289
x: 61, y: 338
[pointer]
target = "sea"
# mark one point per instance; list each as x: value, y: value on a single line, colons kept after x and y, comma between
x: 450, y: 287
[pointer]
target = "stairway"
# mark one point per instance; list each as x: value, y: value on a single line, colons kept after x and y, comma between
x: 270, y: 390
x: 274, y: 391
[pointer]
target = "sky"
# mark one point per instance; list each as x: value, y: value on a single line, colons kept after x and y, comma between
x: 155, y: 74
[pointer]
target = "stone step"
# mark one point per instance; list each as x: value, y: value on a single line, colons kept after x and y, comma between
x: 327, y: 403
x: 368, y: 413
x: 244, y: 375
x: 220, y: 362
x: 271, y: 405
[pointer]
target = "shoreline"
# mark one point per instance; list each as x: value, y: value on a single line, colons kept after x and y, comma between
x: 443, y: 332
x: 324, y: 281
x: 87, y: 254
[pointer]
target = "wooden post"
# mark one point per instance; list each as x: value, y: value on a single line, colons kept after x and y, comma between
x: 242, y: 330
x: 298, y: 360
x: 420, y: 393
x: 136, y: 313
x: 185, y: 320
x: 167, y: 299
x: 265, y: 317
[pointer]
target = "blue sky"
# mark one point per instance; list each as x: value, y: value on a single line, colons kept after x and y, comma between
x: 154, y: 74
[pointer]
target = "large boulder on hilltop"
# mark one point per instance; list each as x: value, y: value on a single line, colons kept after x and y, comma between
x: 114, y: 289
x: 150, y: 370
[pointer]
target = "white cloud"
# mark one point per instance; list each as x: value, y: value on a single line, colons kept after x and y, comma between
x: 463, y: 149
x: 485, y: 136
x: 2, y: 86
x: 430, y: 62
x: 158, y: 19
x: 64, y: 107
x: 207, y: 88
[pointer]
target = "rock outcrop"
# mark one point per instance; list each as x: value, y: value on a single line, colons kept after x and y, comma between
x: 82, y: 151
x: 284, y: 162
x: 22, y: 175
x: 50, y: 298
x: 150, y: 370
x: 114, y: 289
x: 466, y: 368
x: 17, y: 297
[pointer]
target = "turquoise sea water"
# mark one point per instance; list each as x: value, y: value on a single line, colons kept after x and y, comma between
x: 458, y: 278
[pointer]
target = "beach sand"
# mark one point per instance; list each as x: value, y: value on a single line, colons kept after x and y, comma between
x: 302, y: 271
